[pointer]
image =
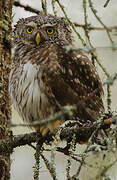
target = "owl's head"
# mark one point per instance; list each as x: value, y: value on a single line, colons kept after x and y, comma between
x: 36, y: 30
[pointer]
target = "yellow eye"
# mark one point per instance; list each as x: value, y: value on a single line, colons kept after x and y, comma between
x: 29, y: 30
x: 50, y: 31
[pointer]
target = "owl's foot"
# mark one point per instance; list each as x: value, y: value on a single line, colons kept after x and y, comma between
x: 49, y: 128
x: 43, y: 129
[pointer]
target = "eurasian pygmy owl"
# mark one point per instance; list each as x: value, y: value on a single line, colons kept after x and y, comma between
x: 45, y: 76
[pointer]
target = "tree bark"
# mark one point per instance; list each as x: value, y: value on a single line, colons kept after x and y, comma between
x: 5, y: 61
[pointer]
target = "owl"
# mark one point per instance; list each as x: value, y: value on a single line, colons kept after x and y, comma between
x: 46, y: 76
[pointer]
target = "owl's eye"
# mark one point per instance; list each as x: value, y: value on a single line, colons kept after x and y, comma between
x: 50, y: 30
x: 29, y: 30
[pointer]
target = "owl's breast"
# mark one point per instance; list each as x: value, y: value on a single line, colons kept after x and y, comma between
x: 27, y: 92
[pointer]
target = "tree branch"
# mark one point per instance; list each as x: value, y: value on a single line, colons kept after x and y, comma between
x: 7, y: 146
x: 26, y: 7
x: 106, y: 3
x: 99, y: 20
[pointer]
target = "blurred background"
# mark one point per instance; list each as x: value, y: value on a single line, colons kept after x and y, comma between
x: 23, y: 157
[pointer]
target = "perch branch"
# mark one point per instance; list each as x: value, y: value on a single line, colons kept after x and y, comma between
x: 7, y: 146
x: 12, y: 142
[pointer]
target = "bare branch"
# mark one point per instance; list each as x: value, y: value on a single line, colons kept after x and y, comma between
x: 111, y: 79
x: 44, y: 6
x: 53, y: 7
x: 86, y: 30
x: 12, y: 142
x: 50, y: 167
x: 26, y: 7
x: 97, y: 17
x: 37, y: 159
x: 70, y: 22
x: 105, y: 169
x: 71, y: 150
x: 89, y: 27
x: 106, y: 3
x: 108, y: 98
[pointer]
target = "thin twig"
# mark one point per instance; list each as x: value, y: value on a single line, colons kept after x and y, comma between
x: 103, y: 173
x: 71, y: 152
x: 44, y: 6
x: 32, y: 146
x: 37, y: 160
x: 110, y: 81
x: 86, y: 22
x: 57, y: 116
x: 66, y: 110
x: 53, y: 7
x: 50, y: 167
x: 84, y: 154
x: 106, y: 3
x: 63, y: 150
x: 108, y: 98
x: 110, y: 28
x: 26, y: 7
x: 53, y: 149
x: 86, y: 30
x: 70, y: 22
x: 33, y: 10
x: 97, y: 17
x: 101, y: 66
x: 93, y: 55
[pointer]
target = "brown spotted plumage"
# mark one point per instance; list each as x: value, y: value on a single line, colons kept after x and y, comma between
x: 46, y: 76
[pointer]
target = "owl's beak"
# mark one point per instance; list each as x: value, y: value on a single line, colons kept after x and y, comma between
x: 38, y: 38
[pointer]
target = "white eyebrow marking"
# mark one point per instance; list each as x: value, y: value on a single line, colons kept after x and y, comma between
x: 48, y: 25
x: 31, y: 24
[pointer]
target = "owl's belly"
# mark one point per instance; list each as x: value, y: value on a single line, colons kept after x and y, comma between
x: 27, y: 94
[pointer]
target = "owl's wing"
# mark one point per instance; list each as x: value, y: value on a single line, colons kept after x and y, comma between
x: 73, y: 79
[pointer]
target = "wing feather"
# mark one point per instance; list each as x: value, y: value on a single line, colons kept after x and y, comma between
x: 71, y: 78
